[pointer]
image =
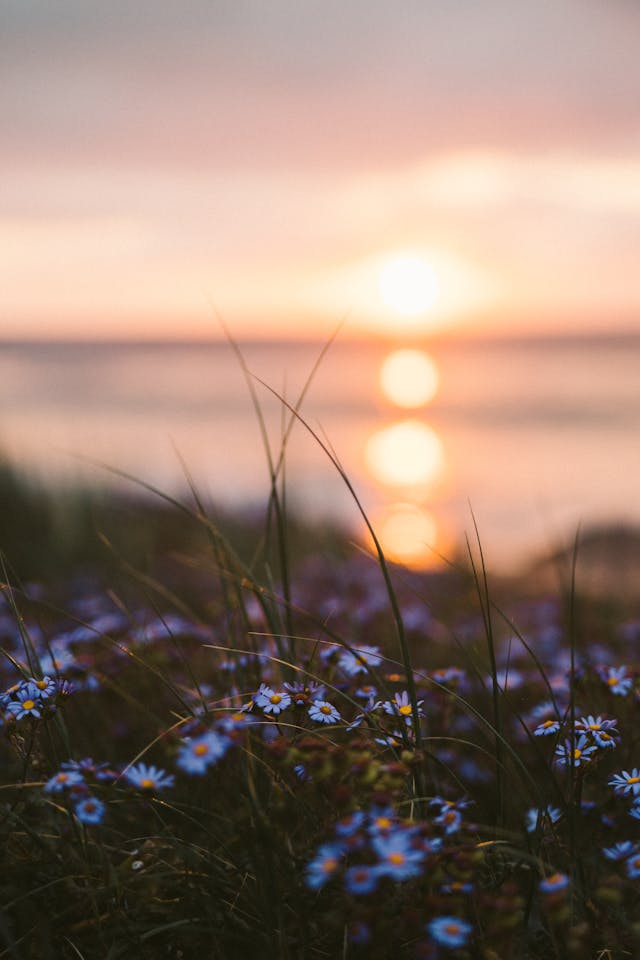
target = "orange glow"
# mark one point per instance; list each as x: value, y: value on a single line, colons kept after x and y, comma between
x: 409, y: 378
x: 405, y: 454
x: 408, y: 285
x: 408, y: 535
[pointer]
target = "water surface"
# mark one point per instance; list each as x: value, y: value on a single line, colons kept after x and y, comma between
x: 534, y: 436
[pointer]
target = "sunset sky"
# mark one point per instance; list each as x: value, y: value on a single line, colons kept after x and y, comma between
x: 413, y: 166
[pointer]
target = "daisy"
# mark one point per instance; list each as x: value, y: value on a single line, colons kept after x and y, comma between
x: 449, y: 931
x: 197, y: 754
x: 28, y: 703
x: 148, y: 777
x: 89, y: 810
x: 398, y: 859
x: 626, y: 783
x: 324, y: 865
x: 272, y: 701
x: 617, y: 680
x: 574, y: 755
x: 361, y: 879
x: 547, y: 728
x: 554, y: 884
x: 358, y: 661
x: 323, y: 712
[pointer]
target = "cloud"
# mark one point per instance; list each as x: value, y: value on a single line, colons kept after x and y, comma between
x: 326, y: 85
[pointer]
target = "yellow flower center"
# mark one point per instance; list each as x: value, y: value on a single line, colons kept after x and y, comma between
x: 147, y: 783
x: 200, y: 749
x: 405, y: 710
x: 41, y: 684
x: 28, y: 704
x: 62, y: 777
x: 329, y: 865
x: 548, y: 723
x: 326, y: 709
x: 397, y: 858
x: 595, y: 726
x: 276, y: 698
x: 633, y: 780
x: 612, y: 681
x: 577, y: 754
x: 452, y: 928
x: 383, y: 823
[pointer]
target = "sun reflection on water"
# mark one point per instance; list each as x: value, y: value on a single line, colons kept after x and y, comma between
x: 407, y: 453
x: 406, y: 459
x: 409, y: 378
x: 408, y: 534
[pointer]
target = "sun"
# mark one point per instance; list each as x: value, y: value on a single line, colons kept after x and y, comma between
x: 408, y: 285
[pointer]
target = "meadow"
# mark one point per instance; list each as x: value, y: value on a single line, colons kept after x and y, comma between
x: 226, y: 736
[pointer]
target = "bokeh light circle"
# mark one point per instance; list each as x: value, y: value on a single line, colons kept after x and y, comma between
x: 409, y: 378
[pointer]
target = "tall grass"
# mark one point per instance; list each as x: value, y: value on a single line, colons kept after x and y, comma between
x: 221, y: 745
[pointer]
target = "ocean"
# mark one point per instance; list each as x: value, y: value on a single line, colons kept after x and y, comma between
x: 524, y: 438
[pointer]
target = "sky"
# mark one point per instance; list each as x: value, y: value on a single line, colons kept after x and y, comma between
x: 405, y: 167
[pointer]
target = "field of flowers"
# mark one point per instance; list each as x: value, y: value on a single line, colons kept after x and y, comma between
x: 345, y: 760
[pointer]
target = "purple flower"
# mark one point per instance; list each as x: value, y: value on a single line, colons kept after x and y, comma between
x: 449, y: 931
x: 148, y: 777
x: 28, y: 703
x: 574, y: 755
x: 361, y: 879
x: 358, y: 661
x: 272, y: 701
x: 46, y: 687
x: 554, y: 884
x: 603, y: 731
x: 547, y: 728
x: 381, y: 820
x: 620, y: 851
x: 323, y: 712
x: 89, y: 810
x: 324, y: 865
x: 456, y: 887
x: 350, y: 823
x: 63, y: 780
x: 444, y: 675
x: 449, y: 819
x: 632, y: 865
x: 398, y: 858
x: 366, y: 692
x: 197, y: 754
x: 617, y: 680
x: 400, y: 706
x: 301, y: 692
x: 626, y: 783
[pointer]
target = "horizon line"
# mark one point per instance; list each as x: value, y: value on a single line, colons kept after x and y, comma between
x: 440, y: 337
